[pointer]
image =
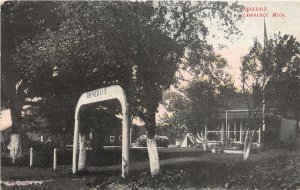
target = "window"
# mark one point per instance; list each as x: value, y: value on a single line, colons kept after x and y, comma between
x: 120, y: 138
x: 112, y: 138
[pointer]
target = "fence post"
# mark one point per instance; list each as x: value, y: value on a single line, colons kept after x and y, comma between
x: 241, y: 131
x: 14, y: 156
x: 54, y: 159
x: 31, y: 157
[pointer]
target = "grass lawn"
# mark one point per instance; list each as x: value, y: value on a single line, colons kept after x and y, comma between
x: 182, y: 168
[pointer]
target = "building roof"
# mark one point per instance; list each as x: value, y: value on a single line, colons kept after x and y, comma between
x: 234, y: 115
x: 236, y: 108
x: 237, y: 103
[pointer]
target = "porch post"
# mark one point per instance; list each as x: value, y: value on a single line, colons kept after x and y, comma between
x: 228, y: 130
x: 234, y: 131
x: 222, y: 132
x: 241, y: 131
x: 259, y: 135
x: 226, y: 122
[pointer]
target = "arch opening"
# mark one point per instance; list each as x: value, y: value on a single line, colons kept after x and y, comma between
x: 100, y: 95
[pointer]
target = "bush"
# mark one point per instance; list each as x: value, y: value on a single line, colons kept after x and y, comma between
x: 290, y: 143
x: 234, y: 146
x: 161, y: 141
x: 219, y: 147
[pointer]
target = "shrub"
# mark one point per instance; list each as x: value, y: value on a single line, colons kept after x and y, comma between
x: 161, y: 141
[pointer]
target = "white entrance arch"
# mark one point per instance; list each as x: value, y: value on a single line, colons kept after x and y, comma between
x: 102, y: 94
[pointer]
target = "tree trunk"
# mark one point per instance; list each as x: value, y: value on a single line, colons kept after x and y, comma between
x: 15, y: 146
x: 204, y: 146
x: 82, y: 151
x: 298, y: 126
x: 205, y: 138
x: 246, y: 140
x: 153, y: 156
x: 151, y: 143
x: 16, y: 118
x: 247, y: 144
x: 262, y: 140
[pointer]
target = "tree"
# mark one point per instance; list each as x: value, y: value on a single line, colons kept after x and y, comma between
x: 204, y: 105
x: 20, y: 21
x: 283, y: 87
x: 257, y: 80
x: 138, y: 45
x: 116, y: 54
x: 198, y: 106
x: 262, y: 70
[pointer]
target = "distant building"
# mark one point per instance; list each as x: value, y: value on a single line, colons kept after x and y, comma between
x: 233, y: 119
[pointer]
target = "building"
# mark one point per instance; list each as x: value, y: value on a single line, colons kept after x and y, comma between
x: 233, y: 119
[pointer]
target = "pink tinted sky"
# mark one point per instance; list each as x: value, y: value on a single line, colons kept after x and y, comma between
x: 253, y: 28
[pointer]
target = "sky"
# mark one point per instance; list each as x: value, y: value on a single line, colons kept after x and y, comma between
x: 253, y: 27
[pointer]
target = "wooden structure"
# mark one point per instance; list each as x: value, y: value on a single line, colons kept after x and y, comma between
x: 103, y: 94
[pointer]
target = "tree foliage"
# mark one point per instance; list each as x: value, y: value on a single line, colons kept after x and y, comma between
x: 284, y: 86
x: 87, y: 53
x: 200, y: 105
x: 20, y: 21
x: 265, y: 72
x: 274, y: 70
x: 138, y: 45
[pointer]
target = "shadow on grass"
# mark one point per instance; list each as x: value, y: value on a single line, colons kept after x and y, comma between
x: 44, y: 159
x: 180, y: 170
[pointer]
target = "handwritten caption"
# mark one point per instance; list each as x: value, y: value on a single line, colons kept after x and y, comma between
x: 261, y: 12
